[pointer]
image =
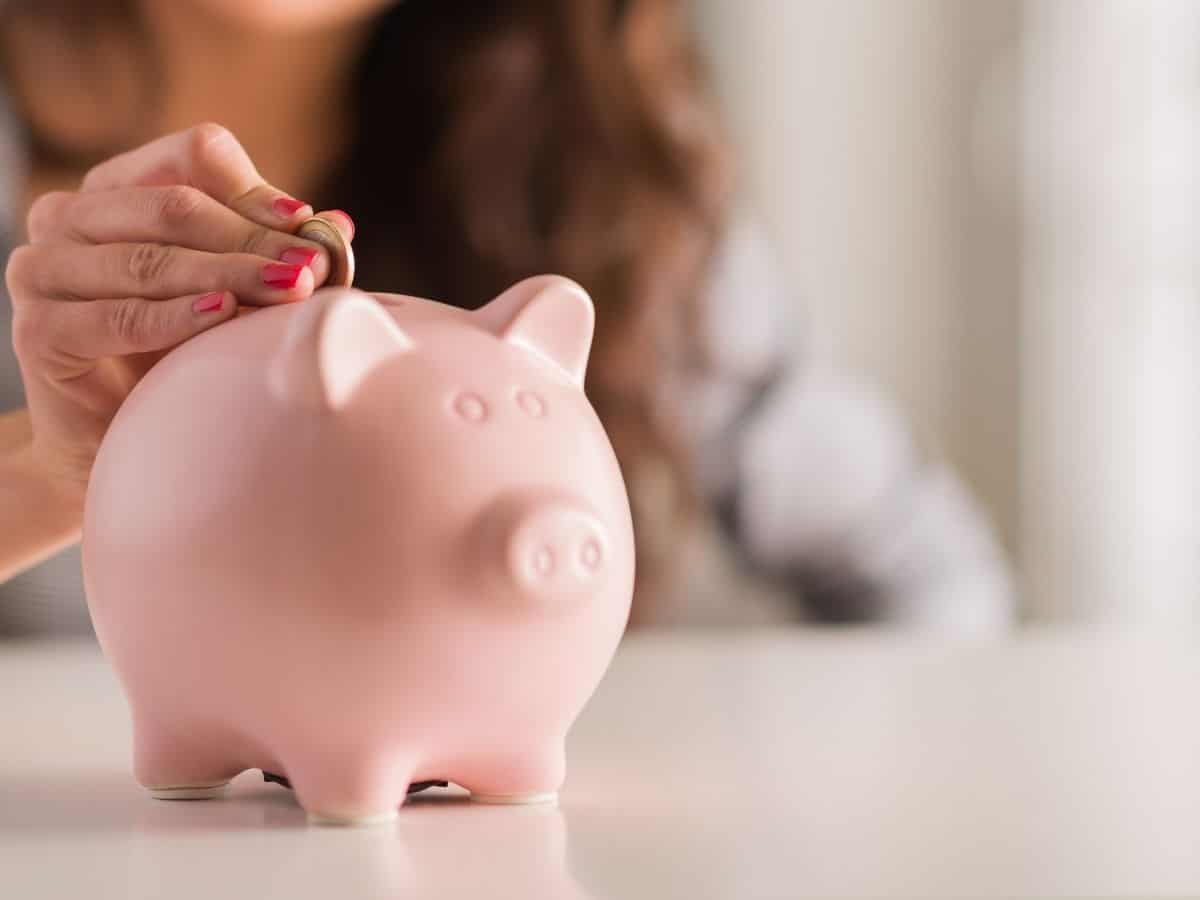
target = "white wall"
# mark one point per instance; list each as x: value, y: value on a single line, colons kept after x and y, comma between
x: 1110, y: 340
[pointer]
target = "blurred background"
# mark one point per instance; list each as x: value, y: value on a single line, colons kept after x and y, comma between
x: 989, y: 212
x: 991, y: 208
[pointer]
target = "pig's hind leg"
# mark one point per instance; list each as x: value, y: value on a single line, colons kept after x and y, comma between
x: 182, y: 762
x: 527, y: 776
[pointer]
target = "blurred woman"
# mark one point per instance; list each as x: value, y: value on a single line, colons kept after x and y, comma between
x: 476, y: 143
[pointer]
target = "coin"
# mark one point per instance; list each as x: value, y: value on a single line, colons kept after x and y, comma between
x: 341, y: 254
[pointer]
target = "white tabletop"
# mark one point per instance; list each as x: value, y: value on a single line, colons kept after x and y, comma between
x: 779, y: 764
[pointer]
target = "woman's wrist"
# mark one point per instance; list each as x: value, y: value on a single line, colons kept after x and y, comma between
x: 16, y: 430
x: 40, y: 514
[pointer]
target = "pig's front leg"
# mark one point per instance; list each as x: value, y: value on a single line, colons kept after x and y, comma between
x: 344, y: 786
x: 176, y: 760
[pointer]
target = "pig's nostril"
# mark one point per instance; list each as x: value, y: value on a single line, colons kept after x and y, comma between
x: 590, y: 554
x: 543, y: 561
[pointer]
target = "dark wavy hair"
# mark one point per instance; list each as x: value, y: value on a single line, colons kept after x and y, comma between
x: 497, y: 139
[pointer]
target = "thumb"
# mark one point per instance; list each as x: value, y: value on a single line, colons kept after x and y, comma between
x: 101, y: 328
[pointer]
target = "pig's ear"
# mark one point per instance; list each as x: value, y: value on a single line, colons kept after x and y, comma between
x: 547, y: 315
x: 335, y: 341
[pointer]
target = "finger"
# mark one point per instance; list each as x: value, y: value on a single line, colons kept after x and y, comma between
x: 134, y: 325
x: 176, y: 214
x: 341, y: 220
x: 160, y: 271
x: 209, y: 158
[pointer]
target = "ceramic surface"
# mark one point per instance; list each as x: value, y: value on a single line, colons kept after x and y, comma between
x: 363, y: 542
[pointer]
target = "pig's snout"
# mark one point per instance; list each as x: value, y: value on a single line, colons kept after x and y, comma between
x: 555, y: 547
x: 549, y: 546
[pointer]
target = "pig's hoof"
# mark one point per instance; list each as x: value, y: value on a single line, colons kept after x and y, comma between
x: 382, y: 818
x: 545, y: 797
x: 190, y: 792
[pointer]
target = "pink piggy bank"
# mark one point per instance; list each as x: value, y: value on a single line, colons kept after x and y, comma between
x: 363, y: 543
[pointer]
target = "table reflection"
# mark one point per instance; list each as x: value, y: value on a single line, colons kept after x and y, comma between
x: 442, y: 846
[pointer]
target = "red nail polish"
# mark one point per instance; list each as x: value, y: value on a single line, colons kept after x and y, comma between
x: 349, y: 221
x: 299, y: 256
x: 281, y: 275
x: 287, y: 207
x: 209, y: 303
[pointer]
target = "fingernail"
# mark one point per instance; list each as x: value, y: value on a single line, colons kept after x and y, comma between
x: 287, y: 207
x: 281, y: 275
x: 209, y: 303
x: 349, y: 221
x: 299, y: 256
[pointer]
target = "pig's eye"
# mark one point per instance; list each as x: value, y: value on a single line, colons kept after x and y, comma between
x: 471, y: 406
x: 531, y: 403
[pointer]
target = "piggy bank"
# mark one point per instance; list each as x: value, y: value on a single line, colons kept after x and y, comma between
x: 363, y: 543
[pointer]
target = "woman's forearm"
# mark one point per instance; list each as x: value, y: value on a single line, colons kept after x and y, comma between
x: 15, y: 430
x: 36, y: 519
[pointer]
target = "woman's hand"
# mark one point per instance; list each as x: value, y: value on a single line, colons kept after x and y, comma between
x: 158, y: 244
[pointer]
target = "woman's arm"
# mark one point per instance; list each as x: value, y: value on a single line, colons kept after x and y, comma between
x: 184, y: 231
x: 36, y: 519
